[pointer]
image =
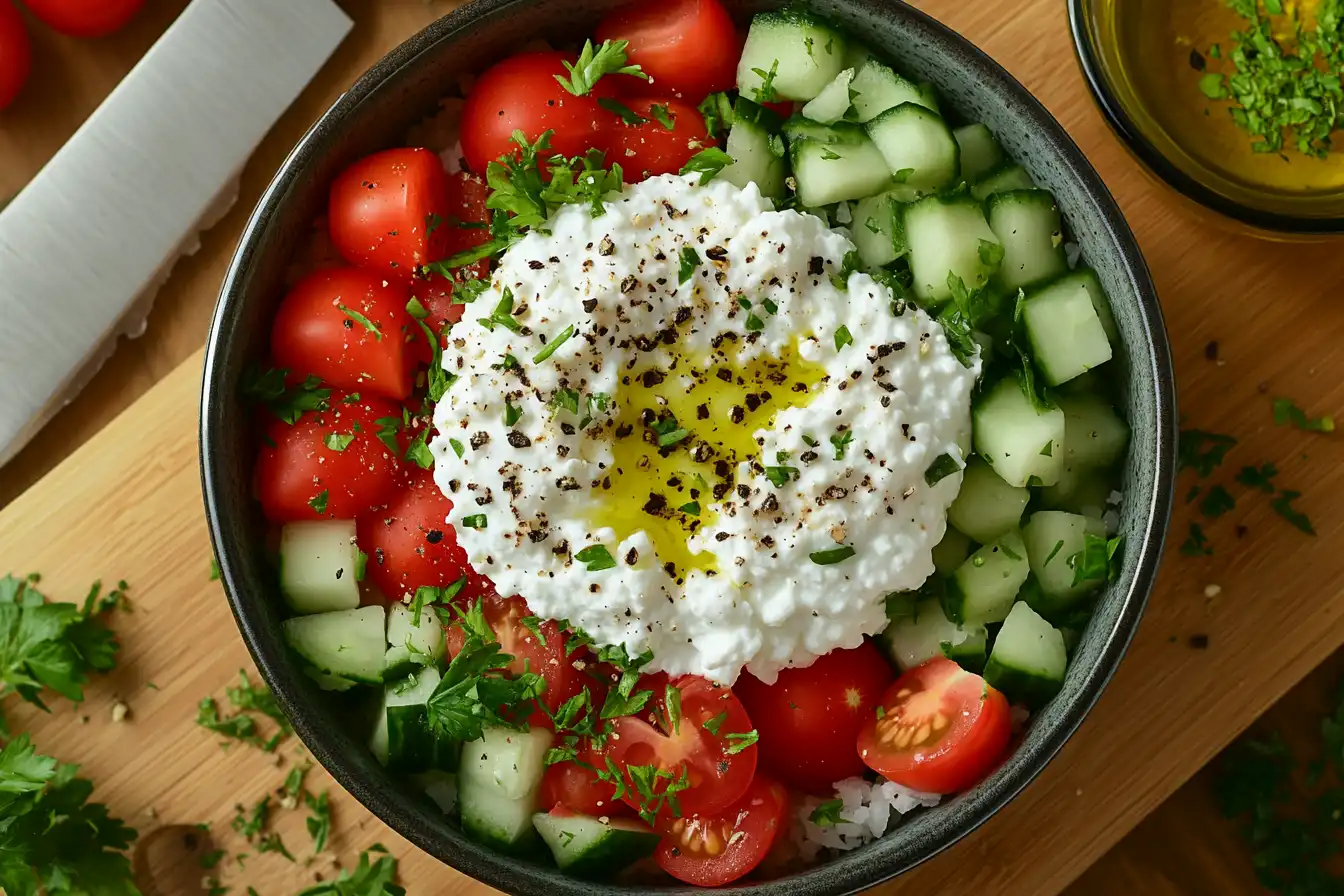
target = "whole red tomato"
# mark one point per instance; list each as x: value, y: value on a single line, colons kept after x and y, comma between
x: 387, y: 212
x: 409, y: 543
x: 690, y: 48
x: 15, y: 53
x: 350, y: 328
x: 330, y: 463
x: 522, y: 94
x: 464, y: 226
x: 809, y: 719
x: 85, y: 18
x: 652, y: 147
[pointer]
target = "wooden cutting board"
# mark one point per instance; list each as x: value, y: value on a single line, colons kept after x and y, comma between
x: 127, y: 505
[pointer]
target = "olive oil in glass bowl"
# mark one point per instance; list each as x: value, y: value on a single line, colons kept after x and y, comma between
x: 1144, y: 59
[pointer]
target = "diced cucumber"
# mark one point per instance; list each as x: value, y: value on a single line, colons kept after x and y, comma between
x: 1094, y: 435
x: 796, y: 128
x: 1088, y: 278
x: 398, y: 663
x: 505, y: 762
x: 833, y: 103
x: 949, y: 553
x: 1053, y: 540
x: 495, y: 821
x: 878, y: 229
x: 948, y: 237
x: 326, y: 681
x: 799, y: 53
x: 980, y: 152
x: 969, y: 654
x: 402, y: 740
x: 1028, y: 660
x: 441, y: 787
x: 929, y: 633
x: 765, y: 118
x: 1023, y: 445
x: 590, y: 847
x: 424, y: 641
x: 1079, y: 490
x: 318, y: 562
x: 1065, y: 332
x: 349, y: 644
x: 877, y: 88
x: 986, y: 507
x: 917, y: 145
x: 857, y: 55
x: 758, y: 157
x: 834, y: 172
x: 983, y: 588
x: 1010, y: 176
x: 1028, y: 225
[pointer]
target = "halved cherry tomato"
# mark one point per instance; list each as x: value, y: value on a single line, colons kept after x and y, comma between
x: 712, y: 749
x: 941, y: 729
x: 329, y: 464
x: 713, y: 850
x: 15, y: 53
x: 350, y: 328
x: 809, y: 718
x: 464, y: 226
x: 410, y: 544
x: 649, y: 149
x: 521, y: 94
x: 579, y: 790
x: 689, y: 47
x: 387, y: 212
x: 543, y: 653
x: 85, y: 18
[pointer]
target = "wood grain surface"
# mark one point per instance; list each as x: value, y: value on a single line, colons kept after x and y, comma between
x: 127, y: 504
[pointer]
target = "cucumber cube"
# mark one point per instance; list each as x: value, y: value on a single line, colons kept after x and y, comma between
x: 1028, y: 225
x: 948, y: 237
x: 318, y: 564
x: 929, y: 633
x: 1053, y: 539
x: 949, y: 553
x: 986, y: 507
x: 1094, y: 435
x: 980, y: 152
x: 1023, y: 445
x: 833, y: 102
x: 982, y: 589
x: 1028, y: 660
x: 800, y: 50
x: 1065, y: 332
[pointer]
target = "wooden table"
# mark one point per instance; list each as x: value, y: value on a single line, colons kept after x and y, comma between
x: 1276, y: 616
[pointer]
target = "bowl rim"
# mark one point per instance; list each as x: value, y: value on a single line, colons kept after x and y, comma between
x: 1123, y: 125
x: 387, y: 800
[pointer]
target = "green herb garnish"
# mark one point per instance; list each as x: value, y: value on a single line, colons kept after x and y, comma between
x: 832, y: 555
x: 362, y: 320
x: 608, y: 59
x: 596, y: 558
x: 707, y: 163
x: 1286, y: 412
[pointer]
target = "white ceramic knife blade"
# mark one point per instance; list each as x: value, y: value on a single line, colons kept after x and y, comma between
x: 87, y: 242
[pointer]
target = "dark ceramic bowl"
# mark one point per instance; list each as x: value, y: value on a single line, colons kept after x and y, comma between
x: 376, y: 112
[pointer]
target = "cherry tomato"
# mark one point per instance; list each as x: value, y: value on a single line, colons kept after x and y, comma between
x: 713, y: 850
x: 409, y: 543
x: 577, y: 789
x: 350, y: 328
x: 689, y: 48
x: 330, y: 463
x: 15, y: 53
x: 387, y: 212
x: 712, y: 751
x: 649, y: 149
x: 521, y: 93
x: 809, y: 718
x: 541, y: 652
x: 85, y: 18
x: 941, y: 729
x: 464, y: 226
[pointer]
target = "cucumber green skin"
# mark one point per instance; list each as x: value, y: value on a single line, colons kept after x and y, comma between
x: 969, y: 654
x: 799, y: 128
x: 412, y: 746
x: 1032, y: 691
x: 615, y: 850
x: 1051, y: 609
x: 768, y: 119
x: 528, y: 846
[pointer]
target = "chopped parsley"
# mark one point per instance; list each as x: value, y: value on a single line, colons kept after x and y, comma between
x: 285, y: 402
x: 662, y: 115
x: 739, y: 742
x: 713, y: 725
x: 502, y: 315
x: 1202, y: 451
x: 717, y: 110
x: 827, y: 814
x: 690, y: 508
x: 596, y: 558
x: 780, y: 476
x: 942, y: 467
x: 841, y: 442
x: 1217, y: 501
x: 1283, y: 506
x: 1098, y: 561
x: 1260, y: 477
x: 1196, y: 544
x: 1286, y: 412
x: 512, y: 413
x: 318, y: 820
x: 458, y: 448
x: 766, y: 92
x: 338, y: 441
x: 429, y: 596
x: 554, y: 344
x: 690, y: 260
x: 832, y: 555
x: 842, y: 338
x: 362, y: 320
x: 621, y: 110
x: 707, y: 163
x: 474, y: 521
x: 608, y: 59
x: 319, y: 502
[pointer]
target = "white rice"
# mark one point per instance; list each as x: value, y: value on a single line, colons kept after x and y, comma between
x: 869, y: 810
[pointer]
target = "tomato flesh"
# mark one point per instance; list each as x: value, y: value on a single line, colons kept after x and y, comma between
x: 521, y: 94
x: 85, y: 18
x: 941, y: 729
x: 409, y: 544
x: 329, y: 464
x: 713, y: 850
x: 385, y: 212
x: 578, y: 789
x: 689, y: 48
x: 15, y: 53
x: 350, y: 328
x: 650, y: 148
x: 716, y: 762
x: 463, y: 227
x: 809, y: 718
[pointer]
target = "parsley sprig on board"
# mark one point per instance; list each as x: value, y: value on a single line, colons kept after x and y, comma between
x: 49, y: 645
x: 52, y: 839
x: 371, y: 877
